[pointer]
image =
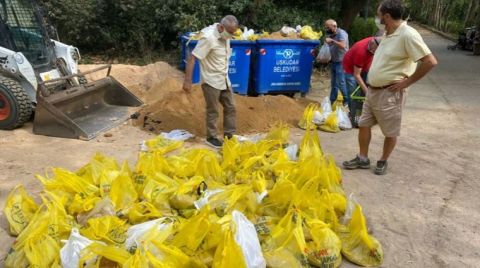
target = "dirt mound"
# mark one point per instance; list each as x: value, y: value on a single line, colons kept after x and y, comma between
x: 141, y: 80
x: 279, y: 36
x: 168, y: 107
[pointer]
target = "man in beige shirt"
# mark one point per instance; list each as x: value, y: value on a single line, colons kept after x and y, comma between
x: 213, y: 51
x: 393, y: 70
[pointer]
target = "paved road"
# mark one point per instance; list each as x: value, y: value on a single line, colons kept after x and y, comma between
x: 426, y: 211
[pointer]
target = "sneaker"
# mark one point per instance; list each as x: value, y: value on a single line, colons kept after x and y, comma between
x: 228, y: 135
x: 357, y: 163
x: 381, y: 167
x: 214, y: 142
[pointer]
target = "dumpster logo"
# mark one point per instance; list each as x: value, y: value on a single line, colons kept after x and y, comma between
x: 287, y: 61
x: 288, y: 53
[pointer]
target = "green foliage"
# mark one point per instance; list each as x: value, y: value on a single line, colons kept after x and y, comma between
x: 455, y: 27
x: 141, y: 28
x: 361, y: 28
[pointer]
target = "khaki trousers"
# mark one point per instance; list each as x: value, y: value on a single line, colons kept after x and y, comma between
x: 212, y: 97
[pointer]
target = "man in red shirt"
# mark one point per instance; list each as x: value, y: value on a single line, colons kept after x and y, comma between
x: 357, y: 61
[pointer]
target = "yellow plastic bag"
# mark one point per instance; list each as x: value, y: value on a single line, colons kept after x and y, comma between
x: 338, y: 102
x: 264, y: 226
x: 357, y: 245
x: 161, y: 255
x: 282, y: 258
x: 228, y: 253
x: 334, y: 172
x: 280, y: 197
x: 206, y: 163
x: 96, y: 254
x: 224, y: 202
x: 279, y: 132
x: 123, y: 193
x: 41, y: 250
x: 163, y: 145
x: 331, y: 123
x: 137, y: 260
x: 103, y: 207
x: 306, y: 122
x: 289, y: 235
x: 142, y: 211
x: 192, y: 233
x: 109, y: 229
x: 39, y: 244
x: 97, y: 165
x: 325, y: 249
x: 306, y: 32
x: 105, y: 181
x: 82, y: 203
x: 259, y: 183
x: 187, y: 193
x: 148, y: 165
x: 158, y: 191
x: 16, y: 258
x: 310, y: 146
x: 68, y: 182
x: 19, y: 209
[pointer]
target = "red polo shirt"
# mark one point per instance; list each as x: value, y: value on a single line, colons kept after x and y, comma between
x: 358, y: 55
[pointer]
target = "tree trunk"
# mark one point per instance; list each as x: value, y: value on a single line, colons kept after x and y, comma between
x: 349, y: 11
x: 472, y: 10
x: 469, y: 13
x: 438, y: 8
x: 446, y: 16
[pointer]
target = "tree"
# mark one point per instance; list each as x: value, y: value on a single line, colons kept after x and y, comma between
x: 472, y: 9
x: 349, y: 11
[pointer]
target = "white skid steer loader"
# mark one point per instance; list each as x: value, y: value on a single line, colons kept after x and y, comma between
x: 40, y: 75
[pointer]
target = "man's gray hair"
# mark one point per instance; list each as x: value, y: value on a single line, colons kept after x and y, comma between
x: 229, y: 20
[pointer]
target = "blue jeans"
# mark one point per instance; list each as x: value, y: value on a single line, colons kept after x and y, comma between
x: 338, y: 83
x: 352, y: 84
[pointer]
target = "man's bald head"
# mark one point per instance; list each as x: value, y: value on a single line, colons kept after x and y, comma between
x: 330, y: 26
x: 331, y: 22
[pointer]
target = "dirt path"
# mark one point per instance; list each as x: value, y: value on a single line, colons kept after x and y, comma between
x: 425, y: 211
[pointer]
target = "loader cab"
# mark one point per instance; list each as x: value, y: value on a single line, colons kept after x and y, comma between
x: 22, y: 30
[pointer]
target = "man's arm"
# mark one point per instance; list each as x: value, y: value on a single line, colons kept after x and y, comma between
x: 340, y: 44
x: 426, y: 64
x: 357, y: 73
x: 187, y: 83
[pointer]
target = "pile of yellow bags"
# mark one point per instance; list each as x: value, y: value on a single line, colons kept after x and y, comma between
x: 308, y: 33
x: 248, y: 205
x: 326, y: 117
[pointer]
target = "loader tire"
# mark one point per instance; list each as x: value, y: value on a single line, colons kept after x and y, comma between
x: 15, y: 106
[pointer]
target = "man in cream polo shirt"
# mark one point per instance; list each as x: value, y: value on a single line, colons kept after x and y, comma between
x: 394, y: 69
x: 213, y: 51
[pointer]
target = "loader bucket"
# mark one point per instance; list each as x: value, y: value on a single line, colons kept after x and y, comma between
x: 84, y: 111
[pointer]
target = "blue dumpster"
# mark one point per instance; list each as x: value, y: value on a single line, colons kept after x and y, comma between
x: 187, y: 48
x: 239, y: 63
x: 284, y: 65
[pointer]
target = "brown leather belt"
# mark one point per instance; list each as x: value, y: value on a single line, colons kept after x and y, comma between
x: 378, y: 88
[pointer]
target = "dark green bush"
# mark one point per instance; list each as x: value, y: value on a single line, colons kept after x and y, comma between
x: 361, y: 28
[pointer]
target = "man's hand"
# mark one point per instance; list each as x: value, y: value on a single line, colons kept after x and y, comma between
x: 329, y: 40
x: 400, y: 85
x: 187, y: 86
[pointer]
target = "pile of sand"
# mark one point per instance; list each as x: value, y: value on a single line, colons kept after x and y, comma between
x: 280, y: 36
x: 168, y: 107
